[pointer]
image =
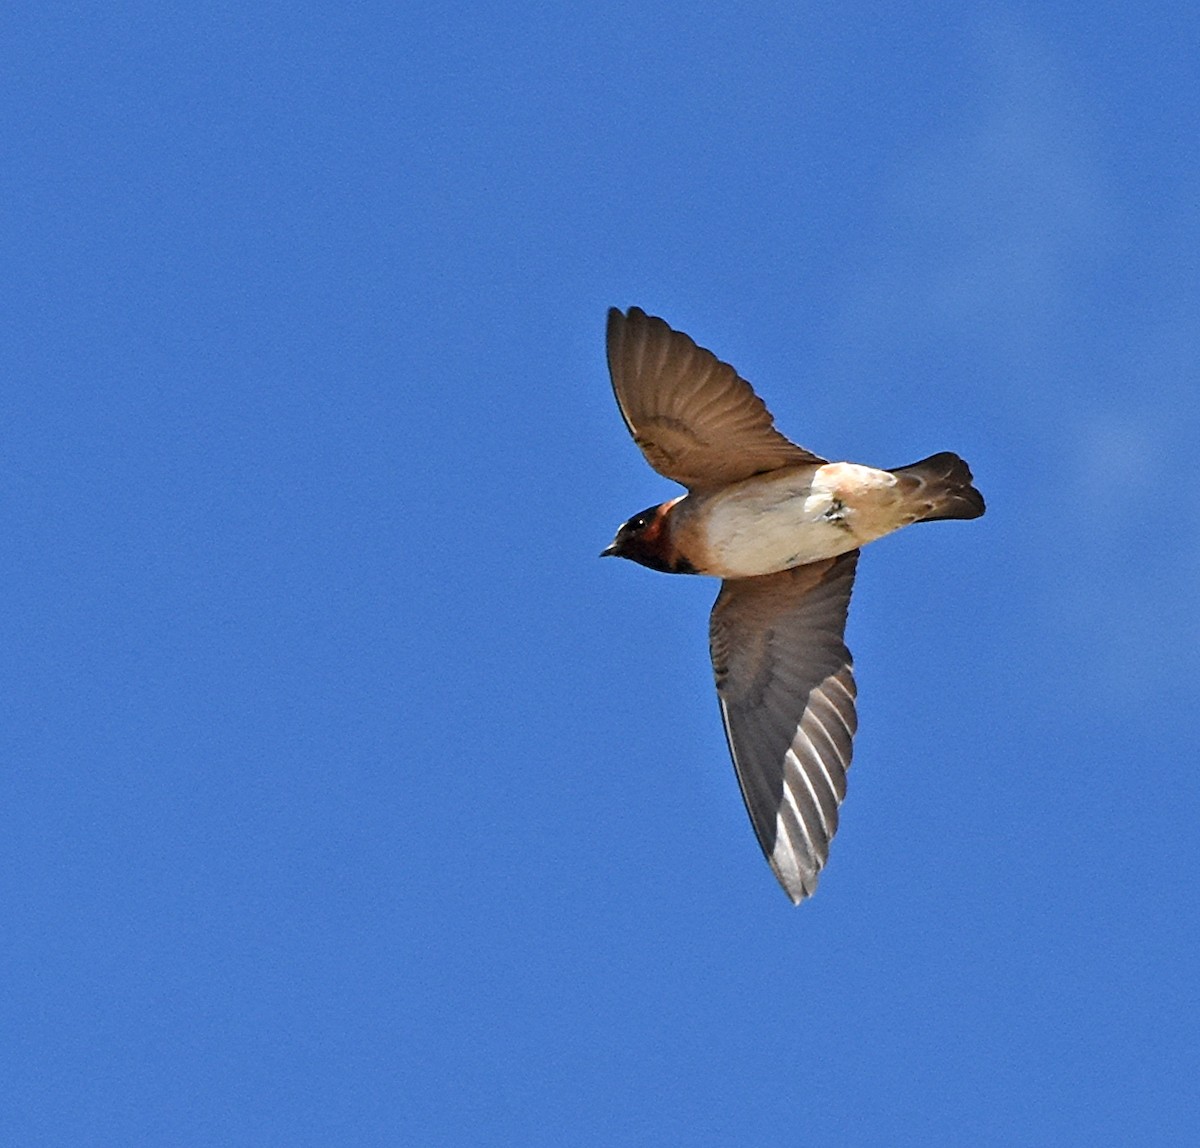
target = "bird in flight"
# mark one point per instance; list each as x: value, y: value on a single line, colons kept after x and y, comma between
x: 782, y: 528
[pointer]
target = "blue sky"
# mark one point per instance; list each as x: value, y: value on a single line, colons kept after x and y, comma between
x: 349, y: 799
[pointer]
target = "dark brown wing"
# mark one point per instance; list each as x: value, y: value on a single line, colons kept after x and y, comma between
x: 786, y: 688
x: 694, y: 419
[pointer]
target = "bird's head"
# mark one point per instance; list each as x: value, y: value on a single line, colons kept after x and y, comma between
x: 646, y: 539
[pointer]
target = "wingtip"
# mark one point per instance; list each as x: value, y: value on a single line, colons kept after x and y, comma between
x: 802, y: 894
x: 615, y: 326
x: 798, y: 881
x: 634, y: 313
x: 798, y: 894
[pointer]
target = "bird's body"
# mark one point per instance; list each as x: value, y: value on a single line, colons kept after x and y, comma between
x: 787, y: 518
x: 782, y: 527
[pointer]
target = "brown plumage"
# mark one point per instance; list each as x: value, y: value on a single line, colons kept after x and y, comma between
x: 782, y: 527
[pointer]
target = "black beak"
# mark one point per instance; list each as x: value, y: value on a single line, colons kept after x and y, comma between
x: 610, y: 551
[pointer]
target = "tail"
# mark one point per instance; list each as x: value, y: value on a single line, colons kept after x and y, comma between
x: 940, y: 487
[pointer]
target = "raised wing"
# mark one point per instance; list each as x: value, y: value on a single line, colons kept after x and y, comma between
x: 786, y: 688
x: 695, y: 420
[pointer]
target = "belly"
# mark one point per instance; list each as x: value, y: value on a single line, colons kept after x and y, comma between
x: 774, y: 522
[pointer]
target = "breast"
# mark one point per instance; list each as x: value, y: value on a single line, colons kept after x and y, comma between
x: 770, y: 523
x: 788, y: 518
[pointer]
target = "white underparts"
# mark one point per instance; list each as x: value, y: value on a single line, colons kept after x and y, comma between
x: 773, y: 522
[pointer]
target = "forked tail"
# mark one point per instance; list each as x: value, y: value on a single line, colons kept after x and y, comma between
x: 940, y: 487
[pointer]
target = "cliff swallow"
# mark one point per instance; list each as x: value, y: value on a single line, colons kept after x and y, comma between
x: 782, y: 527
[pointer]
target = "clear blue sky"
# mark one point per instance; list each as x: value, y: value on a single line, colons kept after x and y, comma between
x: 347, y: 798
